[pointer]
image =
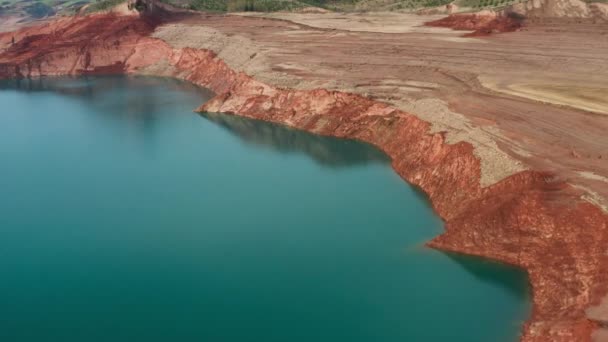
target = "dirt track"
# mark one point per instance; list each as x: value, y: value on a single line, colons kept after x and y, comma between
x: 420, y: 70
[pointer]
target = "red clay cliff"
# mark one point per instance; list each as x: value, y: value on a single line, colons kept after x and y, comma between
x: 531, y: 219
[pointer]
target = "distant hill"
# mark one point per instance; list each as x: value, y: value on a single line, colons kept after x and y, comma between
x: 14, y: 13
x: 42, y: 8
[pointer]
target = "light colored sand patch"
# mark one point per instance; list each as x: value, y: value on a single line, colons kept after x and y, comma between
x: 599, y: 313
x: 9, y: 23
x: 161, y: 68
x: 586, y: 97
x: 521, y: 152
x: 240, y: 53
x: 593, y: 198
x: 600, y: 335
x: 380, y: 22
x: 395, y: 87
x: 591, y: 175
x: 411, y: 84
x: 460, y: 39
x: 495, y: 164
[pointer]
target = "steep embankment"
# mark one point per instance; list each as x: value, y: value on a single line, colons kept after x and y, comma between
x: 101, y: 43
x: 530, y: 219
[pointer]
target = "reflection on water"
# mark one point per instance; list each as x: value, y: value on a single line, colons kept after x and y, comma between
x: 107, y: 93
x: 324, y: 150
x: 495, y: 273
x: 142, y: 109
x: 90, y: 87
x: 147, y: 94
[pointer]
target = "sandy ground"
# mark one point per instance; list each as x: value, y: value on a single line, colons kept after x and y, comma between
x: 11, y: 22
x: 600, y: 314
x: 523, y: 118
x: 380, y: 22
x: 586, y: 96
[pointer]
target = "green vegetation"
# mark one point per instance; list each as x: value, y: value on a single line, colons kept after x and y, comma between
x: 242, y: 5
x: 416, y: 4
x: 205, y: 5
x: 102, y: 5
x: 39, y: 10
x: 478, y: 4
x: 266, y: 5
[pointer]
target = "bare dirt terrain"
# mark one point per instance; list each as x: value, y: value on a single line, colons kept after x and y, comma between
x: 539, y: 94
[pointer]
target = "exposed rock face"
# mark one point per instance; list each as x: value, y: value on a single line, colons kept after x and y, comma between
x: 530, y: 219
x: 101, y: 43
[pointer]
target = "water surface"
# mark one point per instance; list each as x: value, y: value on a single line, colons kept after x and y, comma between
x: 126, y: 217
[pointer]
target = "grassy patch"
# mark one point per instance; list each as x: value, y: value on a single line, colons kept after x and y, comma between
x: 103, y: 5
x: 241, y: 5
x: 207, y: 5
x: 486, y: 3
x: 39, y: 10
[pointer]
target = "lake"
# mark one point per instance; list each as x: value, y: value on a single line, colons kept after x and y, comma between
x: 124, y: 216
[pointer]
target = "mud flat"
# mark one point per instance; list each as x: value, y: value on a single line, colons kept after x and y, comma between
x: 509, y: 175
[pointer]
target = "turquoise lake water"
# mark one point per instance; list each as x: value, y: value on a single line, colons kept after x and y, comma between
x: 124, y: 216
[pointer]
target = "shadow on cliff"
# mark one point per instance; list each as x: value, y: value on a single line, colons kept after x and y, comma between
x: 326, y: 151
x: 512, y: 279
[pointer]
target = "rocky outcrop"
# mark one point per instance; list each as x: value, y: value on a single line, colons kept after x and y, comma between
x: 481, y: 23
x: 531, y: 219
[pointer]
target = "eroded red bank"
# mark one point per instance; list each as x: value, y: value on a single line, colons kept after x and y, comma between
x: 529, y: 219
x: 482, y: 24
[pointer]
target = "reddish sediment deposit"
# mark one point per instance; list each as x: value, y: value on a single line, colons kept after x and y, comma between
x: 482, y: 23
x: 97, y: 44
x: 531, y: 219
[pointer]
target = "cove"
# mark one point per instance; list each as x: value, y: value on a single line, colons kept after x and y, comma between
x: 124, y: 216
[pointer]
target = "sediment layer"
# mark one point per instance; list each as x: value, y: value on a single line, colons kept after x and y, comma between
x: 531, y: 219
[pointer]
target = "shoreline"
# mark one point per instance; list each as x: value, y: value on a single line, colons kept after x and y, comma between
x: 531, y: 220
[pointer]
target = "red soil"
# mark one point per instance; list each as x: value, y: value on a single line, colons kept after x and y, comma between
x: 79, y: 45
x: 531, y: 219
x: 481, y: 24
